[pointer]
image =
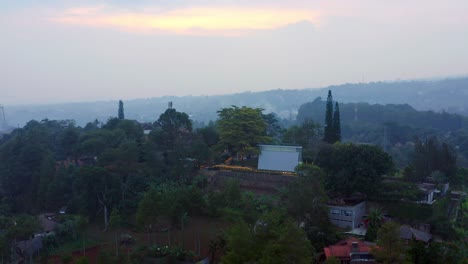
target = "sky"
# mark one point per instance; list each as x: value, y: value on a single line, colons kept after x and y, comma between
x: 55, y: 51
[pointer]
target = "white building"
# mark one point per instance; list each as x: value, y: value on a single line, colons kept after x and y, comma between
x: 279, y: 158
x: 347, y: 215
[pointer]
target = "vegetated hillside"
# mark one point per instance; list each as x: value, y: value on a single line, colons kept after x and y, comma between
x: 449, y: 95
x: 200, y: 108
x: 392, y: 125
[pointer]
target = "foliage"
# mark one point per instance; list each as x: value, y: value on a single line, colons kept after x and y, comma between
x: 273, y: 130
x: 241, y: 129
x: 336, y: 123
x: 115, y: 219
x: 392, y: 126
x: 329, y: 135
x: 147, y: 211
x: 332, y: 131
x: 82, y: 260
x: 353, y: 168
x: 390, y: 248
x: 332, y: 260
x: 430, y: 156
x: 95, y: 189
x: 408, y: 210
x: 171, y: 128
x: 306, y: 135
x: 273, y: 239
x: 375, y: 220
x: 121, y: 114
x: 435, y: 252
x: 396, y: 190
x: 305, y: 199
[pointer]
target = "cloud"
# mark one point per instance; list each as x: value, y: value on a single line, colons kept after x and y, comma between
x: 187, y: 21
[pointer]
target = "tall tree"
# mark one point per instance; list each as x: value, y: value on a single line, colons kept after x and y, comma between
x: 275, y: 238
x: 241, y: 129
x: 375, y: 220
x: 430, y: 156
x: 121, y: 110
x: 305, y: 199
x: 391, y: 249
x: 95, y: 190
x: 353, y: 168
x: 170, y: 128
x: 328, y: 133
x: 115, y: 223
x: 336, y: 123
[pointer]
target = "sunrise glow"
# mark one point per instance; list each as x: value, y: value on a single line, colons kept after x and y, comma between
x: 226, y: 21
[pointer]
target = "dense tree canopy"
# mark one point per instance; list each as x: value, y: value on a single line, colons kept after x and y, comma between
x: 432, y: 156
x: 241, y: 129
x: 170, y: 129
x: 353, y: 168
x: 273, y: 239
x: 114, y: 167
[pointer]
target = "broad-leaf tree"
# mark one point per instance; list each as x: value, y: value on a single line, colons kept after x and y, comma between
x: 241, y: 129
x: 170, y: 129
x: 390, y: 248
x: 353, y: 168
x: 274, y: 238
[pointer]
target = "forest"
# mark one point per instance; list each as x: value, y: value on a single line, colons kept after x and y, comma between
x: 140, y: 191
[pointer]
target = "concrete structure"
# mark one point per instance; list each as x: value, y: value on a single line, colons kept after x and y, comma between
x: 279, y: 158
x: 347, y: 214
x: 428, y: 191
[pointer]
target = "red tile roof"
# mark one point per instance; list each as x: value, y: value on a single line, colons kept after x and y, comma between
x: 342, y: 249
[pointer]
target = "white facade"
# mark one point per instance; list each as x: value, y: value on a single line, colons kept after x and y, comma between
x: 279, y: 158
x: 347, y: 216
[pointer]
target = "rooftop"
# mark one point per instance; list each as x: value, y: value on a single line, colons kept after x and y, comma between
x: 409, y: 233
x: 344, y: 248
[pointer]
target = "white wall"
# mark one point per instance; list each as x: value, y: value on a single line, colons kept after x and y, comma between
x: 278, y: 160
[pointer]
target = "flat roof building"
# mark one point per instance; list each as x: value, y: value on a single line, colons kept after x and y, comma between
x: 279, y: 158
x: 347, y: 215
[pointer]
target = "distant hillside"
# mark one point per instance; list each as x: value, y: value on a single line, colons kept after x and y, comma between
x: 393, y: 126
x: 357, y: 115
x: 450, y: 95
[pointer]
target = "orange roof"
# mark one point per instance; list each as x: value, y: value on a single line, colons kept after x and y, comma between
x: 342, y: 249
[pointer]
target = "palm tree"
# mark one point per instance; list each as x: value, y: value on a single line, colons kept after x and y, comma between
x: 375, y: 221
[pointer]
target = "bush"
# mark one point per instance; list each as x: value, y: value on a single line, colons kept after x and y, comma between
x: 408, y: 210
x: 67, y: 259
x: 82, y: 260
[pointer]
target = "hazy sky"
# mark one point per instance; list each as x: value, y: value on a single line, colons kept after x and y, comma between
x: 62, y: 51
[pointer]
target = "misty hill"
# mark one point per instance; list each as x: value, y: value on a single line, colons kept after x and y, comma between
x: 357, y: 115
x: 449, y: 95
x: 393, y: 126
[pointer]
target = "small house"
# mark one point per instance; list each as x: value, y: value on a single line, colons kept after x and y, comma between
x: 350, y: 251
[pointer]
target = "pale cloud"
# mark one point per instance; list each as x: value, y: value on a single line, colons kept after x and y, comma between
x: 187, y: 21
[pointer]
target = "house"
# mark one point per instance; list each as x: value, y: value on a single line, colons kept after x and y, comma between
x: 408, y: 233
x: 279, y: 157
x: 346, y: 213
x: 350, y: 250
x: 428, y: 191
